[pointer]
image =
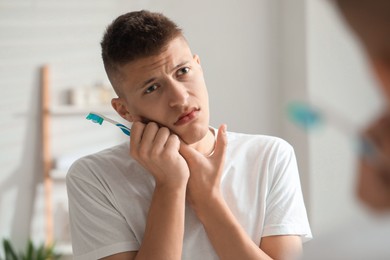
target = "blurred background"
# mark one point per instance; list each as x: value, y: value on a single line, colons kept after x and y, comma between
x: 257, y: 56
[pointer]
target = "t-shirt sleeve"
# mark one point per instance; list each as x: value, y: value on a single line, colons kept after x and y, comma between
x: 97, y: 227
x: 285, y: 210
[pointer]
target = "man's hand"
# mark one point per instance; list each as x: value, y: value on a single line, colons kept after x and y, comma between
x: 374, y: 176
x: 157, y: 149
x: 205, y: 172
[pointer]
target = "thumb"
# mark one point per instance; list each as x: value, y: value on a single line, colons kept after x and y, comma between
x: 187, y: 151
x: 221, y: 144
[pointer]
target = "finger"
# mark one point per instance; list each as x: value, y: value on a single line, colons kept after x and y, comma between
x: 137, y: 130
x: 185, y: 150
x: 149, y: 134
x: 221, y: 144
x: 172, y: 142
x: 385, y: 134
x: 372, y: 189
x: 161, y: 139
x: 144, y: 146
x: 190, y: 154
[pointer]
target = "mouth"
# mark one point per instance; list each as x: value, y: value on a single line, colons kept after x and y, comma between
x: 187, y: 116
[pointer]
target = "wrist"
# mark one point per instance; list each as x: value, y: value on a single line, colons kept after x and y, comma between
x: 170, y: 188
x: 204, y: 205
x: 171, y: 183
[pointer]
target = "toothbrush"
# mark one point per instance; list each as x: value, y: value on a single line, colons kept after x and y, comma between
x: 310, y: 117
x: 98, y: 118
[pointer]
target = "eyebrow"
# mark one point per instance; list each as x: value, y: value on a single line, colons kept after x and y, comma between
x: 148, y: 81
x: 179, y: 65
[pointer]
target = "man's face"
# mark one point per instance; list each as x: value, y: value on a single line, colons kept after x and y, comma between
x: 168, y: 89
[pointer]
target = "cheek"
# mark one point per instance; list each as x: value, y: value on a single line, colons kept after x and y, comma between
x: 134, y: 110
x: 131, y: 107
x: 205, y: 95
x: 150, y: 112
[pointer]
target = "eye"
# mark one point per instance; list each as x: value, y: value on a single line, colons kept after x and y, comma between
x: 151, y: 89
x: 183, y: 71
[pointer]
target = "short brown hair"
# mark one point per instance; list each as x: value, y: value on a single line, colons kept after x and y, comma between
x: 135, y: 35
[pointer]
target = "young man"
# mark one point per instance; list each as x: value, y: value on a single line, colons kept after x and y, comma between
x: 181, y: 189
x: 370, y: 20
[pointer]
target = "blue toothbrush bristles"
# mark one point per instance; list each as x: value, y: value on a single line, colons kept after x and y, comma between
x: 95, y: 118
x: 304, y: 115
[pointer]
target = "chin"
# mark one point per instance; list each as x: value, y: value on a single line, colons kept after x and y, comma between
x: 195, y: 135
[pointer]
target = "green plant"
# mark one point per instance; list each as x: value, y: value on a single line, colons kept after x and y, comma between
x: 41, y: 252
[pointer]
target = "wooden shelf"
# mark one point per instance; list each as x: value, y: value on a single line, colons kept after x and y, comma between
x: 46, y: 152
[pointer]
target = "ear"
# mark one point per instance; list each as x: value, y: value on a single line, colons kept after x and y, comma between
x: 120, y: 106
x: 196, y: 58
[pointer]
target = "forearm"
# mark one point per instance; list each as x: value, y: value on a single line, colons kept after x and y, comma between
x: 163, y: 237
x: 228, y: 238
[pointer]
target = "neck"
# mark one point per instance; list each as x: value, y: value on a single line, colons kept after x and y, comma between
x: 207, y: 144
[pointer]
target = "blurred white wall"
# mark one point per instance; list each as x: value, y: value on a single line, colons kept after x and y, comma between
x: 257, y: 55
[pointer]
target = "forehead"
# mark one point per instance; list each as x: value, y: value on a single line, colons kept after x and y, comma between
x: 177, y: 51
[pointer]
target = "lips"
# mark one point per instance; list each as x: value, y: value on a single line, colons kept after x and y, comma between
x: 187, y: 116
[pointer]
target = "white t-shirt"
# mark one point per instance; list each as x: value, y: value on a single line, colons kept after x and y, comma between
x: 110, y: 193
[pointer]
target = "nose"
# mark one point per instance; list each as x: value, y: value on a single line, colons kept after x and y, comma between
x: 177, y: 94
